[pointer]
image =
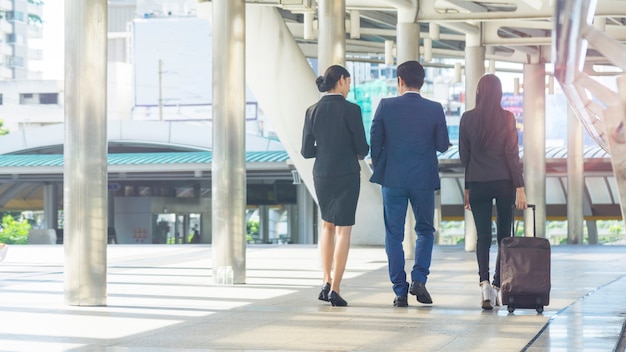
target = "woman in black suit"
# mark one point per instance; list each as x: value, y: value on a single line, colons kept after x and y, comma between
x: 334, y: 135
x: 489, y: 151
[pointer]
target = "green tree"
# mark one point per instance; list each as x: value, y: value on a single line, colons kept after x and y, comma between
x: 252, y: 228
x: 13, y: 231
x: 3, y: 130
x: 615, y: 228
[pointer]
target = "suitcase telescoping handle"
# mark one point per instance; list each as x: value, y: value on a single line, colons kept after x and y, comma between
x: 534, y: 208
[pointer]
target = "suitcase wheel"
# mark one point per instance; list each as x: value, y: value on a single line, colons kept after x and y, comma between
x: 511, y: 306
x: 539, y: 306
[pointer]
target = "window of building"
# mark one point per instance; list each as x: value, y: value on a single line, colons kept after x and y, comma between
x: 18, y: 61
x: 13, y: 38
x: 15, y: 16
x: 14, y: 61
x: 1, y: 102
x: 48, y: 98
x: 27, y: 98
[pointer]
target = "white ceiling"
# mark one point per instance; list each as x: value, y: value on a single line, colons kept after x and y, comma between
x: 513, y: 31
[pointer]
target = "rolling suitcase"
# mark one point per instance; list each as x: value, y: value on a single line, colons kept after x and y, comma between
x: 525, y: 271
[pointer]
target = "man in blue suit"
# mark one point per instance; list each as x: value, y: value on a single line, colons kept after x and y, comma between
x: 406, y: 134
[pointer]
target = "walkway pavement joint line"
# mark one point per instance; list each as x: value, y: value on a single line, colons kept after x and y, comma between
x: 622, y: 339
x: 621, y: 343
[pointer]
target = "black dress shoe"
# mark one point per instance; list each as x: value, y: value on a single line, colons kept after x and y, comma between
x: 336, y: 300
x: 324, y: 293
x: 419, y: 289
x: 400, y: 301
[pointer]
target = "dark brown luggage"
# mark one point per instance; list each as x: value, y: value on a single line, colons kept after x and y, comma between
x: 525, y: 271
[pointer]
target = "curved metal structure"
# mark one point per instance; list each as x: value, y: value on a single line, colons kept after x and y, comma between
x: 600, y: 109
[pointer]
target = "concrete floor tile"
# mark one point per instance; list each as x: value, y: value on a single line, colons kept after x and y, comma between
x: 162, y: 298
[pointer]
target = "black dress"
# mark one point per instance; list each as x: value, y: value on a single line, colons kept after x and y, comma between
x: 334, y: 135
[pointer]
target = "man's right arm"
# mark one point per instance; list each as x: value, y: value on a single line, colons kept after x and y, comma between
x: 441, y: 133
x: 377, y: 134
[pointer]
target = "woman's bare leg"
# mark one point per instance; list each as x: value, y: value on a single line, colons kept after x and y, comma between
x: 342, y: 247
x: 327, y: 248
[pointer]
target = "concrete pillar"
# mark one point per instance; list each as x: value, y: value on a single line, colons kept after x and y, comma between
x: 264, y: 223
x: 331, y: 42
x: 474, y: 70
x: 111, y: 208
x: 535, y: 144
x: 471, y: 234
x: 85, y: 153
x: 474, y: 67
x: 51, y: 205
x: 306, y: 215
x: 575, y: 179
x: 592, y: 231
x: 409, y: 234
x: 185, y: 228
x: 292, y: 214
x: 274, y: 218
x: 437, y: 221
x: 206, y: 227
x: 408, y: 40
x: 229, y: 164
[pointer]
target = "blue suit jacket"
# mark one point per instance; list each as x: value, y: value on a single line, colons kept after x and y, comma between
x: 406, y: 134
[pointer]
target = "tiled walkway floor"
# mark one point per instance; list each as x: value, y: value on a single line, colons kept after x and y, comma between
x: 162, y: 298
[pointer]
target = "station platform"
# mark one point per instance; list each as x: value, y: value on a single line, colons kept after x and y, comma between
x: 162, y: 298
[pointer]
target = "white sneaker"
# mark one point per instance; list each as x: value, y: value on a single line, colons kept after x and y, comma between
x: 497, y: 296
x: 3, y: 251
x: 486, y: 291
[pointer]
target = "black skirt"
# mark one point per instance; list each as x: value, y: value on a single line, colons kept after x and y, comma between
x: 337, y: 198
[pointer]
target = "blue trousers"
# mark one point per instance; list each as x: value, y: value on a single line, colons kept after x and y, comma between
x: 395, y: 201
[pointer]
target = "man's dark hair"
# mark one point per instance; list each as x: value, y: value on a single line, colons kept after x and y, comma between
x: 412, y: 72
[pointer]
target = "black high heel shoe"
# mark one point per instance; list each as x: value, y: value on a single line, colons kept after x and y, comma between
x: 336, y: 300
x: 324, y: 293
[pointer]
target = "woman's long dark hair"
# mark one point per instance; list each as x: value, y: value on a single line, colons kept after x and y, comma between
x: 488, y: 110
x: 330, y: 78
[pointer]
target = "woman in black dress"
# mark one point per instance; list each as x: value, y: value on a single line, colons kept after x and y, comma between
x: 334, y: 135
